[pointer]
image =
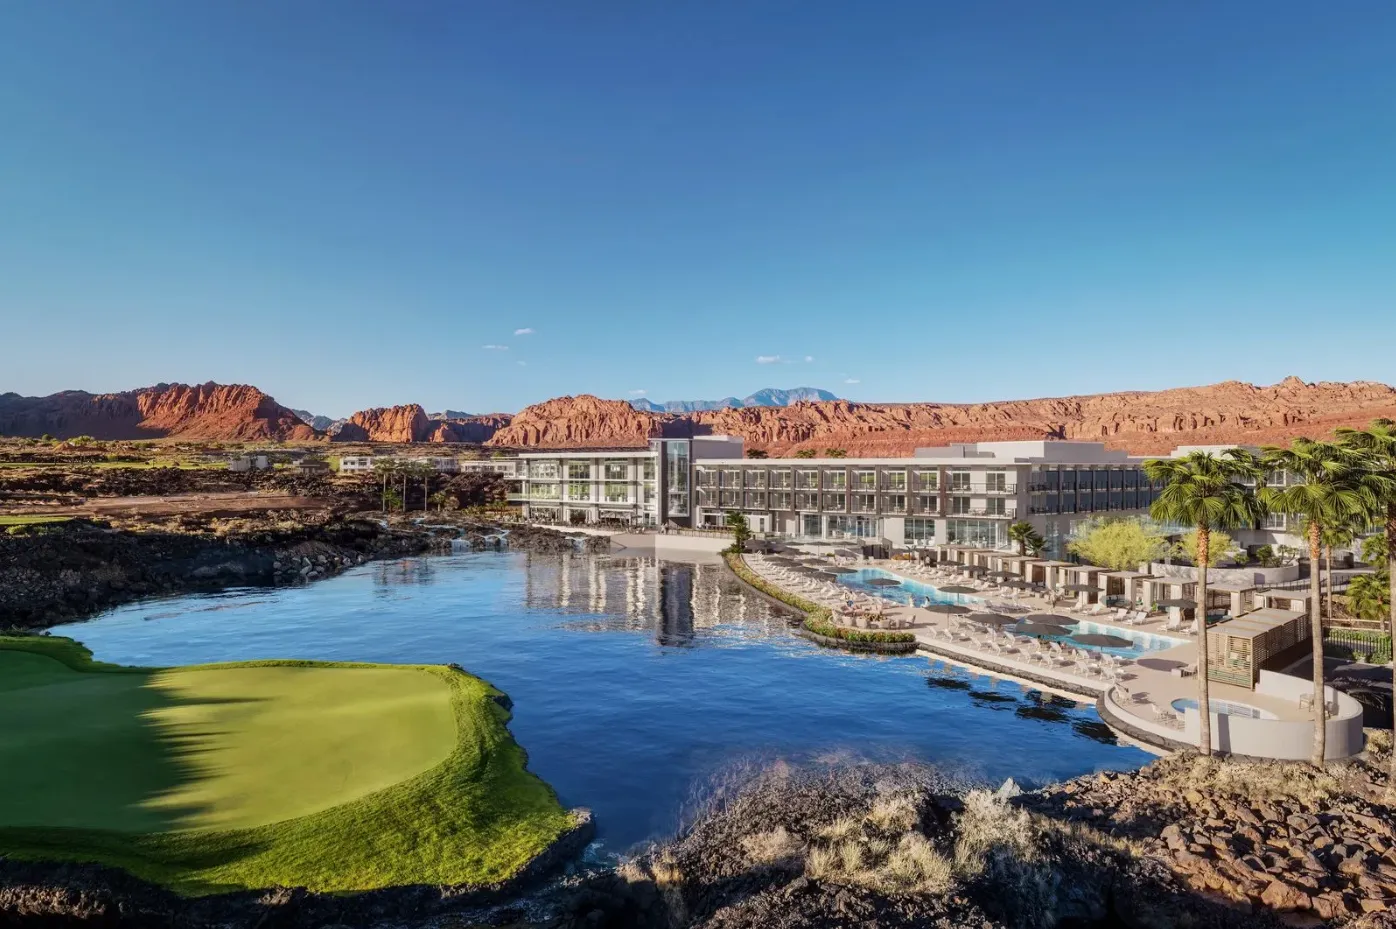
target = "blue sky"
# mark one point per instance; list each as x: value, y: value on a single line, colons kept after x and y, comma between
x: 344, y: 203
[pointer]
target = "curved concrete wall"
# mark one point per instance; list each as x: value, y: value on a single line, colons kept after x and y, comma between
x: 1280, y: 739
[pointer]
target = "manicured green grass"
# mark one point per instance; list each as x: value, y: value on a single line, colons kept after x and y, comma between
x: 336, y: 777
x: 31, y: 520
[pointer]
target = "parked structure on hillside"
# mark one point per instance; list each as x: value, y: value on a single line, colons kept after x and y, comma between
x: 249, y: 463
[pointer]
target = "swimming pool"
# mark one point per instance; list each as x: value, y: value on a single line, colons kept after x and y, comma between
x: 1141, y: 642
x: 1225, y: 708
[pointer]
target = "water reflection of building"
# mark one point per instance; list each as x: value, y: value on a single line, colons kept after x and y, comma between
x: 672, y: 599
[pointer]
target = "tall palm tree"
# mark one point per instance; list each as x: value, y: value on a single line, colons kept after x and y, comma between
x: 1207, y: 492
x: 1378, y: 440
x: 1336, y: 485
x: 387, y: 468
x: 1331, y: 537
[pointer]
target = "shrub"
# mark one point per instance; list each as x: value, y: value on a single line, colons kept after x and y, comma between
x: 823, y: 627
x: 818, y: 619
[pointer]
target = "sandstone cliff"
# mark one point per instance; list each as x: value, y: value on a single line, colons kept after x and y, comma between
x: 572, y: 422
x: 1139, y: 421
x: 406, y: 423
x: 203, y: 411
x: 468, y: 428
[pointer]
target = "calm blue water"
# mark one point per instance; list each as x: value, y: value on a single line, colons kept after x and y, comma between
x: 1142, y: 643
x: 634, y: 680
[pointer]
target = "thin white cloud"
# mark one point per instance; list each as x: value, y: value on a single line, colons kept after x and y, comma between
x: 768, y: 359
x: 526, y: 330
x: 495, y: 348
x: 809, y: 359
x: 521, y: 364
x: 851, y: 380
x: 638, y: 393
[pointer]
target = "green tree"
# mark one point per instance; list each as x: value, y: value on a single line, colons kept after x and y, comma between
x: 1332, y: 486
x: 1220, y: 546
x: 835, y: 453
x: 1369, y: 596
x: 741, y: 530
x: 756, y: 453
x: 1378, y: 441
x: 1023, y: 534
x: 805, y: 453
x: 1209, y: 493
x: 1331, y: 537
x: 1119, y: 544
x: 386, y: 469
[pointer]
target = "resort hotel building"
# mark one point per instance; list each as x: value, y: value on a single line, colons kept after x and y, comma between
x: 959, y: 493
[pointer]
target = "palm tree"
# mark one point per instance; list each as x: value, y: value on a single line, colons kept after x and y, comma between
x: 1023, y: 533
x: 1378, y: 440
x: 388, y: 468
x: 1336, y: 485
x: 1206, y: 492
x: 1331, y: 537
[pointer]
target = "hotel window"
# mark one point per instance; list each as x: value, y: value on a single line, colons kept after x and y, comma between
x: 647, y: 469
x: 616, y: 470
x: 959, y: 480
x: 1131, y: 479
x: 807, y: 480
x: 894, y: 480
x: 780, y: 500
x: 731, y: 498
x: 756, y: 479
x: 865, y: 480
x: 676, y: 469
x: 579, y: 470
x: 920, y: 530
x: 835, y: 480
x: 578, y: 491
x: 806, y: 501
x: 996, y: 481
x: 649, y: 492
x: 927, y: 480
x: 894, y: 503
x: 1117, y: 480
x: 707, y: 497
x: 544, y: 470
x: 781, y: 480
x: 959, y: 504
x: 838, y: 525
x: 731, y: 477
x: 835, y: 501
x: 996, y: 506
x: 988, y: 533
x: 755, y: 500
x: 545, y: 491
x: 865, y: 527
x: 617, y: 493
x: 927, y: 503
x: 865, y: 503
x: 1273, y: 521
x: 707, y: 478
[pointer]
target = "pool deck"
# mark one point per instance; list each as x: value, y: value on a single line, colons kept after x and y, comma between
x: 1127, y: 695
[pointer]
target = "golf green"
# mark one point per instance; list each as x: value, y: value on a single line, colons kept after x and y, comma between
x: 218, y: 777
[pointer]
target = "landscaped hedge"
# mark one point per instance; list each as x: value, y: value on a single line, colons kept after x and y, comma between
x: 818, y: 619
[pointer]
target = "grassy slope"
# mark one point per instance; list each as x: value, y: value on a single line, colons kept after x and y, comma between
x: 31, y: 520
x: 196, y: 739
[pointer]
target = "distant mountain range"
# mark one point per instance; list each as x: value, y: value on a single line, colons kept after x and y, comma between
x: 768, y: 396
x: 315, y: 421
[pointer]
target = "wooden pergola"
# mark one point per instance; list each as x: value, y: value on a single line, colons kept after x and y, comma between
x: 1237, y: 649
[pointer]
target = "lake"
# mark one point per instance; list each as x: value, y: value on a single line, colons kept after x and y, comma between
x: 636, y: 681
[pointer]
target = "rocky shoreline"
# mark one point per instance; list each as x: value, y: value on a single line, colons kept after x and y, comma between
x: 53, y: 573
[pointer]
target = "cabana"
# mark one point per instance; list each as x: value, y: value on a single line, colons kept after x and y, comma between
x: 1125, y: 585
x: 1237, y: 597
x: 1052, y: 572
x: 1238, y: 649
x: 1285, y: 599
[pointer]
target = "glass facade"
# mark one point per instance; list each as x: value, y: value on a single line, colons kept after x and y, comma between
x: 616, y: 470
x: 579, y: 470
x: 578, y: 491
x: 920, y: 530
x: 542, y: 470
x: 676, y: 460
x: 987, y: 533
x: 617, y: 493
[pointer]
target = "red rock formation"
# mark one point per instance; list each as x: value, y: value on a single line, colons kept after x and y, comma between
x: 574, y: 422
x: 407, y: 423
x: 1140, y: 421
x: 204, y: 411
x: 469, y: 428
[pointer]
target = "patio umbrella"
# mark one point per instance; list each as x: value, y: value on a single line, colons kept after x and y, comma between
x: 992, y: 619
x: 1101, y: 641
x: 1180, y: 602
x: 975, y: 569
x: 884, y: 582
x: 955, y: 589
x: 1048, y: 619
x: 1080, y: 588
x: 838, y: 570
x: 949, y: 608
x: 1041, y: 629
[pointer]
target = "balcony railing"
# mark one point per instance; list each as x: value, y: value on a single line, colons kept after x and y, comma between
x: 1007, y: 513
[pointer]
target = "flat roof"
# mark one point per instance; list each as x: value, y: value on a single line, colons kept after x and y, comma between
x: 1127, y: 574
x: 1257, y: 622
x: 923, y: 463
